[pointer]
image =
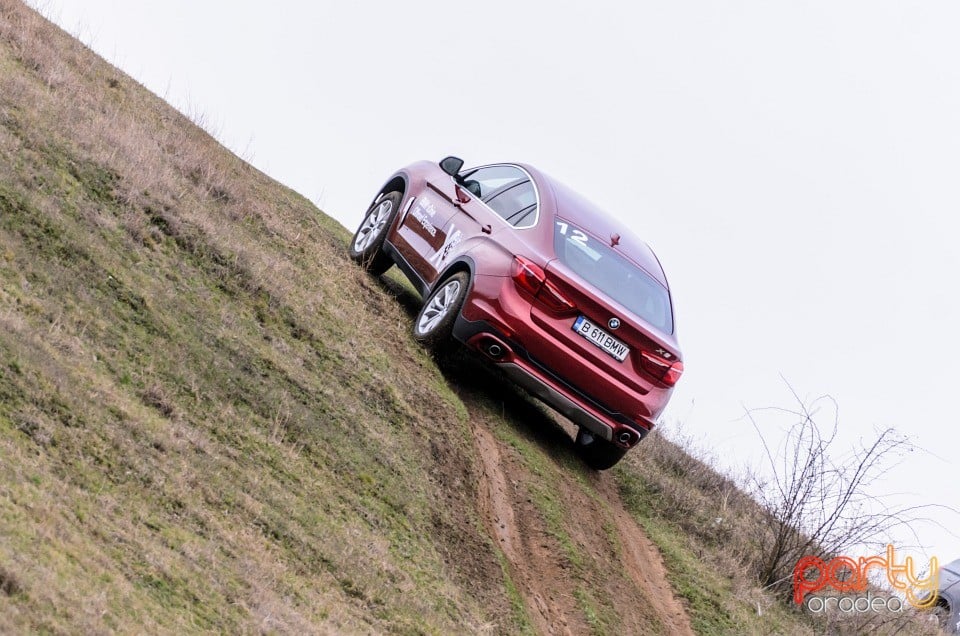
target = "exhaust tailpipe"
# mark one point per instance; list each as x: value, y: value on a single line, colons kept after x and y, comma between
x: 625, y: 438
x: 495, y: 350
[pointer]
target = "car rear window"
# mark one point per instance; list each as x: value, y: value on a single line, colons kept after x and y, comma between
x: 617, y: 277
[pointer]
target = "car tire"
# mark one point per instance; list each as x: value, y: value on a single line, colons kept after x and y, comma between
x: 433, y: 325
x: 366, y: 246
x: 596, y: 452
x: 942, y: 612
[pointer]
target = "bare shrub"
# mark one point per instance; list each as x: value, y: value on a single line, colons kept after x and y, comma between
x: 816, y: 497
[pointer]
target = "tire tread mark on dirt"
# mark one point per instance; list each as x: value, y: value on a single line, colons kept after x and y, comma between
x: 543, y: 581
x: 644, y: 563
x: 526, y: 545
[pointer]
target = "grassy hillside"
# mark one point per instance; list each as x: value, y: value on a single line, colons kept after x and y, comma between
x: 210, y: 420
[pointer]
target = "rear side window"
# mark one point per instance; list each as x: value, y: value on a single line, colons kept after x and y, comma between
x: 515, y: 202
x: 495, y: 178
x: 508, y: 191
x: 601, y: 266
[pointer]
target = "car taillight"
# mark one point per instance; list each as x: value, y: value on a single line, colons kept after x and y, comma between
x: 667, y: 371
x: 527, y: 275
x: 554, y: 299
x: 531, y: 278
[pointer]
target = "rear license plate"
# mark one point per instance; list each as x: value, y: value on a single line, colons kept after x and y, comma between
x: 601, y: 338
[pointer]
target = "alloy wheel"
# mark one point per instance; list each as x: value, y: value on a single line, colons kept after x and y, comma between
x: 439, y: 306
x: 373, y: 225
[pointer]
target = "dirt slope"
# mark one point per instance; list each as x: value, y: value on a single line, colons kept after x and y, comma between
x: 533, y: 552
x: 210, y: 420
x: 578, y: 560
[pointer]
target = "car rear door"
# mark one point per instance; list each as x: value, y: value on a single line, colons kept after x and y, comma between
x: 492, y: 200
x: 421, y: 232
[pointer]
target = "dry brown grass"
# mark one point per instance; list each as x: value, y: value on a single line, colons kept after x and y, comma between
x: 209, y: 419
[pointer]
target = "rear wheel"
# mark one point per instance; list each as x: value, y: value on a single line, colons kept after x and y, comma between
x: 366, y: 247
x: 433, y: 326
x: 941, y: 610
x: 598, y: 453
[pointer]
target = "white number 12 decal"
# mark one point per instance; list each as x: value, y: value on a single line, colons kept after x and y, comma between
x: 576, y: 235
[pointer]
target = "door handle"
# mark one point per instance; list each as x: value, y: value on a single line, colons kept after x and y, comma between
x: 461, y: 195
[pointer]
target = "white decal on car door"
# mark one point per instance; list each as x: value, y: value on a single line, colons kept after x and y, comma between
x: 453, y: 239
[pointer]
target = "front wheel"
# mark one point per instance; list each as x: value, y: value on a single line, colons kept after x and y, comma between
x: 598, y: 453
x: 433, y: 326
x: 366, y: 247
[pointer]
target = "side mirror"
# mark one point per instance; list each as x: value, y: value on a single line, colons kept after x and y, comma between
x: 451, y: 165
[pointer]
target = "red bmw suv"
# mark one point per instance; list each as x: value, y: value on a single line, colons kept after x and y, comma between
x: 556, y: 293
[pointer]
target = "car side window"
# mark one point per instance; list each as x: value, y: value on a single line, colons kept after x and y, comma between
x: 514, y: 203
x: 494, y: 178
x: 509, y: 192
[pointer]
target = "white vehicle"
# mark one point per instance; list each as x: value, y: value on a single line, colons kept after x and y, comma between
x: 948, y: 597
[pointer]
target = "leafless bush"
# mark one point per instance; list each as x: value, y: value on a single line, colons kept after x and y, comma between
x: 817, y: 497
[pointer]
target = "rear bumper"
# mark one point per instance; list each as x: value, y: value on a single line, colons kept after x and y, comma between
x: 514, y: 361
x: 562, y: 403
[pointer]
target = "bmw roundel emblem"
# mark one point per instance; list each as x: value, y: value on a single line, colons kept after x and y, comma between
x: 614, y: 323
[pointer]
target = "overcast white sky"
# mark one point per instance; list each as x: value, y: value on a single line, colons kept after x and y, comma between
x: 794, y: 165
